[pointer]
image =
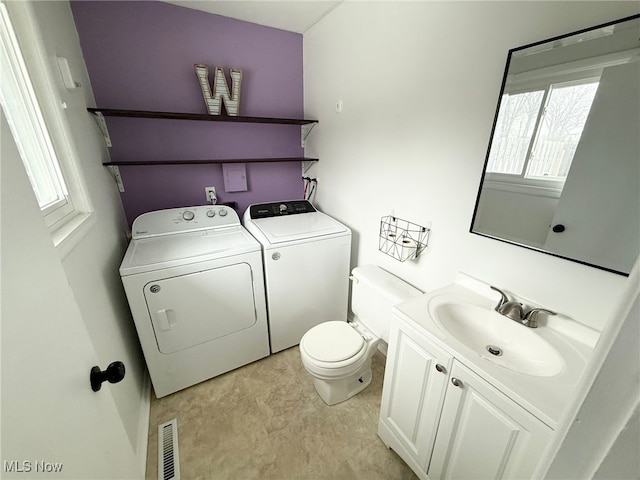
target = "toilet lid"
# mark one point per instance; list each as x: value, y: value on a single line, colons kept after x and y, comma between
x: 332, y: 342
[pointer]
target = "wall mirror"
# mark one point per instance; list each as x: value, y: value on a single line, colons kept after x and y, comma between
x: 562, y: 173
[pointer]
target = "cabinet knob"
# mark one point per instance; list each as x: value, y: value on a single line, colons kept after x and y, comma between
x: 456, y: 382
x: 440, y: 368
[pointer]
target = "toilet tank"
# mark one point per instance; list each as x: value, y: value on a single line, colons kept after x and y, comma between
x: 374, y: 292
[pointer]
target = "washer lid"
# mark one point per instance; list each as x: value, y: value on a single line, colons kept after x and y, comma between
x: 332, y: 342
x: 298, y: 227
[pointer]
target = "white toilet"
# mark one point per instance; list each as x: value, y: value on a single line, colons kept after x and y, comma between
x: 338, y: 354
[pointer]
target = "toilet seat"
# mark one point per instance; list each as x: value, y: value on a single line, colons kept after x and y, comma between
x: 338, y: 356
x: 332, y: 342
x: 353, y: 347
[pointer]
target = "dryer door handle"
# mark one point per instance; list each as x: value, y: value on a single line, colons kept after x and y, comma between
x: 165, y: 318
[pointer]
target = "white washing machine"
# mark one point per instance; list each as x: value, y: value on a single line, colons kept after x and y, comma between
x: 306, y: 265
x: 194, y: 280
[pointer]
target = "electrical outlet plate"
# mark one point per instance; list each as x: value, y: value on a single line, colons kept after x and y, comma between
x: 210, y: 193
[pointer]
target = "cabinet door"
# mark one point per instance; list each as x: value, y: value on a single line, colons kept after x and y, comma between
x: 413, y: 392
x: 484, y: 434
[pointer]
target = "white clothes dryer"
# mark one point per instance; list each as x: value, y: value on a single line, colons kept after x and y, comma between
x: 306, y: 258
x: 194, y: 281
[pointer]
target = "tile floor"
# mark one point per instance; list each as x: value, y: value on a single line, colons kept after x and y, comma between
x: 265, y: 421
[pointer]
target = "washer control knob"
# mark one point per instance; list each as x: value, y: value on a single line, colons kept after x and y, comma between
x: 211, y: 213
x: 188, y: 215
x: 283, y: 207
x: 222, y: 212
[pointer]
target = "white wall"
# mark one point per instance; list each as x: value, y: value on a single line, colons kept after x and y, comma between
x: 622, y: 461
x: 419, y: 83
x: 91, y: 267
x: 517, y: 213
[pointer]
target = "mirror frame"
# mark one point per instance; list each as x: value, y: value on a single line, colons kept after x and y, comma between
x: 493, y: 127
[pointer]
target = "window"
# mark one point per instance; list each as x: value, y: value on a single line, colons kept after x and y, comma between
x: 37, y: 127
x: 537, y: 132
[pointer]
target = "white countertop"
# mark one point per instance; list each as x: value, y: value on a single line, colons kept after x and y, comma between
x: 545, y: 397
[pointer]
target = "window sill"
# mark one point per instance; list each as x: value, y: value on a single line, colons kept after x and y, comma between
x: 69, y: 234
x: 523, y: 189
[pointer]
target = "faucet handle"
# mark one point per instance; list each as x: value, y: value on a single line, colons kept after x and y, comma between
x: 503, y: 300
x: 531, y: 317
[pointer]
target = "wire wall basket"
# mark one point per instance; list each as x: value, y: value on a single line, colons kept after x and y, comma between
x: 400, y: 239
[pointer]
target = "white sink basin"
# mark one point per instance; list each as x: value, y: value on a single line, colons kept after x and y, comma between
x: 499, y: 339
x: 539, y: 368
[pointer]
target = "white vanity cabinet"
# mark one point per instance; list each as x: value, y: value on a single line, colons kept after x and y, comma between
x: 415, y: 382
x: 446, y: 421
x: 483, y: 433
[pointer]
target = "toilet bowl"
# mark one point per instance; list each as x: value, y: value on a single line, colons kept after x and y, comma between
x: 338, y: 354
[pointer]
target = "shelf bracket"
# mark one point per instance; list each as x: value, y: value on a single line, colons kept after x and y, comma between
x: 306, y: 166
x: 305, y: 130
x: 115, y: 173
x: 102, y: 124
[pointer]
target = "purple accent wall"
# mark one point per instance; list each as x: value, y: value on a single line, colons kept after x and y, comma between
x: 140, y: 56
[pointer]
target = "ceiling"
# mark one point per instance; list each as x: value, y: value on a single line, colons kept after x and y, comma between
x: 291, y: 15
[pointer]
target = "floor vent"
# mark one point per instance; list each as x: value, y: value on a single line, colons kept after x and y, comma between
x: 168, y: 459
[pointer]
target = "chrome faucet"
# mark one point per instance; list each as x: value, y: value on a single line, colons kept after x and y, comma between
x: 515, y: 311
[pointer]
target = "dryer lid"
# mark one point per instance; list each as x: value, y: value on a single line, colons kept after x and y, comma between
x: 166, y: 251
x: 332, y: 342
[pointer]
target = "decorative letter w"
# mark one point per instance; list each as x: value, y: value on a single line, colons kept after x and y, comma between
x: 220, y: 90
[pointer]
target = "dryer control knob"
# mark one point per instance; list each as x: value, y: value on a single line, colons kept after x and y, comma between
x: 211, y: 213
x: 188, y: 215
x: 222, y: 212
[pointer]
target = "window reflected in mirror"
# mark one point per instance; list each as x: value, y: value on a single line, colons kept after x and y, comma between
x: 562, y: 173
